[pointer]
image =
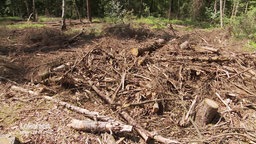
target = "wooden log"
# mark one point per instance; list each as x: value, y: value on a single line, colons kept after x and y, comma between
x: 97, y: 126
x: 207, y: 110
x: 141, y: 51
x: 146, y: 135
x: 184, y: 45
x: 87, y: 113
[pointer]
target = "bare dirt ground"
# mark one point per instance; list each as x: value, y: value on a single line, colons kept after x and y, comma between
x: 160, y: 87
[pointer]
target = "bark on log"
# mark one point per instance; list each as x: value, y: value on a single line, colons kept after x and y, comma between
x: 97, y: 126
x: 207, y: 110
x: 87, y: 113
x: 184, y: 45
x: 141, y: 51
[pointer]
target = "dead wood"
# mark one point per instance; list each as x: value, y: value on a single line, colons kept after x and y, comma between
x: 146, y: 135
x: 72, y: 40
x: 184, y: 45
x: 97, y: 126
x: 106, y: 99
x: 87, y: 113
x: 207, y: 110
x: 201, y: 58
x: 141, y: 51
x: 211, y: 49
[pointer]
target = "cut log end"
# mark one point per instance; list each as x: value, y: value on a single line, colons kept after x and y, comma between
x: 207, y: 110
x: 135, y: 52
x: 211, y: 103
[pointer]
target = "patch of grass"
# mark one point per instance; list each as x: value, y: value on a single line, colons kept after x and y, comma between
x: 48, y: 19
x: 97, y: 20
x: 155, y: 23
x: 72, y: 31
x: 162, y: 22
x: 10, y: 19
x: 251, y: 46
x: 24, y: 25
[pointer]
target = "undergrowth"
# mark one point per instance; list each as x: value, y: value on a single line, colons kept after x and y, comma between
x: 24, y: 25
x: 48, y: 19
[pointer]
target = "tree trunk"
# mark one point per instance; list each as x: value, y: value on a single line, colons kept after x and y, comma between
x: 46, y: 11
x: 63, y: 21
x: 224, y: 7
x: 34, y: 11
x: 88, y: 7
x: 27, y: 7
x: 221, y: 13
x: 236, y: 9
x: 246, y: 6
x: 197, y: 8
x: 141, y: 7
x: 215, y: 8
x: 77, y: 11
x: 170, y: 9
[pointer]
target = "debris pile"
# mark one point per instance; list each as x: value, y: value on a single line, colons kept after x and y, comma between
x: 175, y: 90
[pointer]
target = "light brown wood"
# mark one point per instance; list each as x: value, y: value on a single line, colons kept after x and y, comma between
x: 141, y: 51
x: 97, y: 126
x: 207, y: 110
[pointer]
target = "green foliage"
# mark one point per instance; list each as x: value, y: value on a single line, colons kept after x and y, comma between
x: 250, y: 47
x: 48, y: 19
x: 253, y: 44
x: 114, y: 10
x: 244, y: 25
x: 10, y: 19
x: 155, y: 23
x: 24, y: 25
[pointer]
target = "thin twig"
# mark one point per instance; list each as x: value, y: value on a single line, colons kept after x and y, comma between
x: 223, y: 101
x: 240, y: 87
x: 240, y: 73
x: 148, y: 101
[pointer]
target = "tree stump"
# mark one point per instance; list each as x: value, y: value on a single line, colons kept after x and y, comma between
x: 207, y: 110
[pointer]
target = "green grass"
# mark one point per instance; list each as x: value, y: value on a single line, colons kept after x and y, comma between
x: 159, y: 23
x: 250, y: 46
x: 10, y: 19
x: 48, y: 19
x: 24, y: 25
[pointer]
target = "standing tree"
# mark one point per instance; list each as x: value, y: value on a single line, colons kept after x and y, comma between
x: 221, y: 13
x: 88, y: 7
x: 34, y: 11
x: 63, y: 21
x: 77, y: 11
x: 198, y: 5
x: 170, y: 9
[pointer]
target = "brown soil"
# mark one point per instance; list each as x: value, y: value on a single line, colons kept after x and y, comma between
x: 168, y: 75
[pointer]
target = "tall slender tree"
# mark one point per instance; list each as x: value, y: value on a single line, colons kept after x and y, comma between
x: 88, y: 7
x: 34, y: 10
x: 63, y: 21
x: 221, y: 13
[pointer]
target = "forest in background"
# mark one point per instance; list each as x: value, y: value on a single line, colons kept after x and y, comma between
x: 171, y: 71
x: 240, y: 15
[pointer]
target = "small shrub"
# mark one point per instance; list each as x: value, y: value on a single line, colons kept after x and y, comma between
x: 244, y: 25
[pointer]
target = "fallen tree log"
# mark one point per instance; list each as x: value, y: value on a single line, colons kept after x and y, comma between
x: 141, y: 51
x: 97, y: 126
x: 202, y: 58
x: 87, y: 113
x: 146, y: 135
